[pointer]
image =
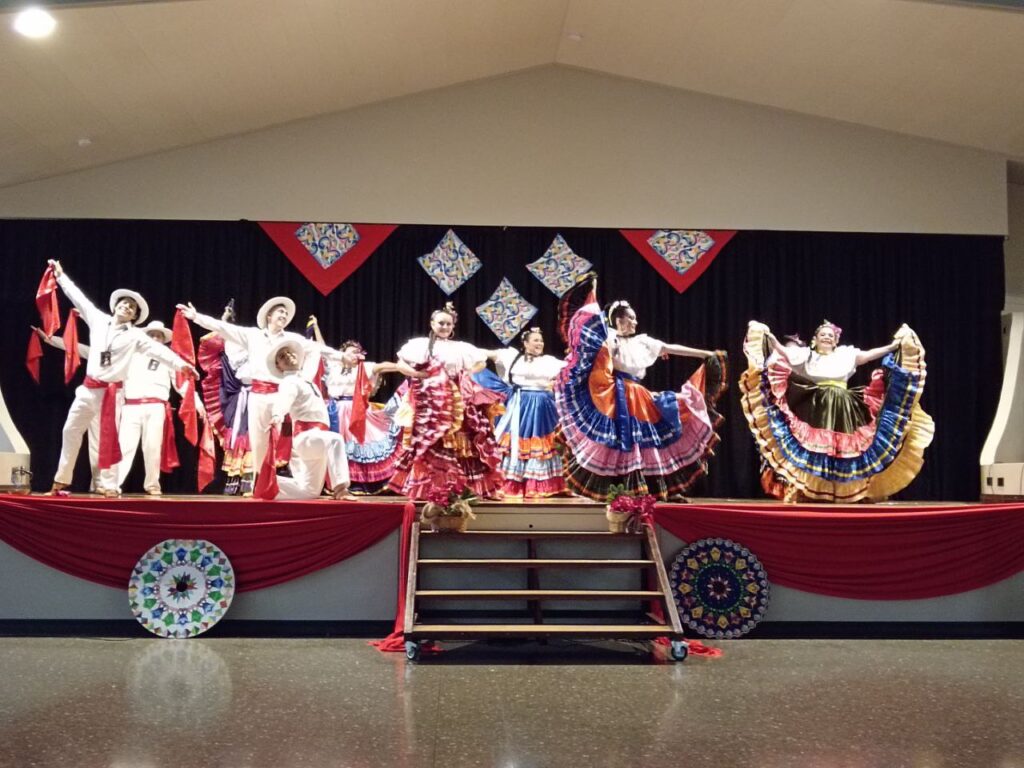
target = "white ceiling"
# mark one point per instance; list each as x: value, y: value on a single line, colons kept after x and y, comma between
x: 136, y: 79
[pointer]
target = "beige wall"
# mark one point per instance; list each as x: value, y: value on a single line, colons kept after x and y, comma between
x: 552, y: 146
x: 1014, y: 249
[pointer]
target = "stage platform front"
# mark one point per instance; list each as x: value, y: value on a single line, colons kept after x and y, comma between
x: 326, y: 567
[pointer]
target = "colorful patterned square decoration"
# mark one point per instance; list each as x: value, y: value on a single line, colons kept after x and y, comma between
x: 506, y: 312
x: 559, y: 268
x: 450, y: 264
x: 327, y: 242
x: 681, y: 248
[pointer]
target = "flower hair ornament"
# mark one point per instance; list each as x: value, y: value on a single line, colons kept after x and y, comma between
x: 614, y: 306
x: 835, y: 329
x: 526, y: 334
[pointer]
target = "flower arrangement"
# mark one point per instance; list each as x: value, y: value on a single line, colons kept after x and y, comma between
x: 448, y: 507
x: 626, y: 511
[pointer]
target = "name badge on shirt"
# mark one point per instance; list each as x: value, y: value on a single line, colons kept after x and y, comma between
x: 105, y: 359
x: 153, y: 364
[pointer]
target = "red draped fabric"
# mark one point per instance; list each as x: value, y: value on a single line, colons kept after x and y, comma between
x: 33, y: 356
x: 876, y: 553
x: 46, y: 302
x: 268, y: 543
x: 71, y: 357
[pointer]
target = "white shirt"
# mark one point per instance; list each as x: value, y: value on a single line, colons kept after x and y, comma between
x: 838, y: 365
x: 634, y: 354
x: 257, y: 343
x: 114, y: 342
x: 299, y: 398
x: 533, y: 373
x: 341, y: 381
x: 454, y: 355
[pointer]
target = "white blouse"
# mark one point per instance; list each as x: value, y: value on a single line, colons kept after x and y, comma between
x: 634, y: 354
x: 838, y: 365
x: 536, y: 373
x: 454, y: 355
x: 341, y: 381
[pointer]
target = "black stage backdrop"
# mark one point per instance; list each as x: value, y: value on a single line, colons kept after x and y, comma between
x: 948, y: 288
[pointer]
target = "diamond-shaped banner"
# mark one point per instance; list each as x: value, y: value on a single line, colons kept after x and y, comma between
x: 506, y: 312
x: 560, y: 268
x: 450, y: 264
x: 679, y: 255
x: 326, y: 253
x: 327, y: 242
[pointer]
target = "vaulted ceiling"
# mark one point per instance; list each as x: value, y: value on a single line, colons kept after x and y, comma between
x: 123, y: 79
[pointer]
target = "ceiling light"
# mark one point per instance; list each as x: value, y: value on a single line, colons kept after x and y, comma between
x: 34, y: 22
x: 575, y: 36
x: 85, y: 141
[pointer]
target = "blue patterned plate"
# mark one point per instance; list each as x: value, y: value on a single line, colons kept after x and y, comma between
x: 720, y: 588
x: 181, y: 587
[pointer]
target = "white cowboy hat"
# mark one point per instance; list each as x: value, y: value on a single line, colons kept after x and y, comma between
x: 155, y: 326
x: 289, y: 307
x: 295, y: 345
x: 124, y: 293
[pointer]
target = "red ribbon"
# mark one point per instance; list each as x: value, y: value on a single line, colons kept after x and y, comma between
x: 266, y: 482
x: 168, y: 451
x: 360, y: 402
x: 46, y: 301
x: 207, y: 457
x: 395, y: 642
x: 33, y: 356
x: 71, y: 357
x: 110, y: 447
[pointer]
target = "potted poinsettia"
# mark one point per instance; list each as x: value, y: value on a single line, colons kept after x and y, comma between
x: 626, y: 510
x: 448, y: 508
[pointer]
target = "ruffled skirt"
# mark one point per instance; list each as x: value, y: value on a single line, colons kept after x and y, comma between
x: 371, y: 463
x: 448, y: 439
x: 527, y: 432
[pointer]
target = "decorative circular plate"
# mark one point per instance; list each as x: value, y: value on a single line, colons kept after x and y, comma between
x: 720, y: 587
x: 181, y: 587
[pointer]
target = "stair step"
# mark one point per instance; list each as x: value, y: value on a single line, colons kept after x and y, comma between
x: 523, y: 562
x: 611, y: 631
x: 591, y: 535
x: 539, y: 594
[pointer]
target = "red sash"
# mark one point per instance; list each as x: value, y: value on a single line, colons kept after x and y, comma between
x: 110, y: 448
x: 298, y: 427
x: 263, y: 387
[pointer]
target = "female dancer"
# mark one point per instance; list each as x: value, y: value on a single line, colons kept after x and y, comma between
x: 448, y: 441
x: 526, y: 431
x: 616, y: 430
x: 371, y: 455
x: 824, y: 440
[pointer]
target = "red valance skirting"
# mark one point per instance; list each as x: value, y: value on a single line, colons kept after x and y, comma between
x: 267, y: 542
x: 882, y: 553
x: 874, y: 553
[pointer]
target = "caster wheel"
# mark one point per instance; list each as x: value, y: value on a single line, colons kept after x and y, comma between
x: 412, y: 650
x: 680, y: 650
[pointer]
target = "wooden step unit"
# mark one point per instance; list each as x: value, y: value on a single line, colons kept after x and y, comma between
x: 655, y: 615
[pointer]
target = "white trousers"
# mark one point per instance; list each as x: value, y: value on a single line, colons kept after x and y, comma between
x: 260, y: 412
x: 145, y: 422
x: 316, y: 454
x: 84, y: 416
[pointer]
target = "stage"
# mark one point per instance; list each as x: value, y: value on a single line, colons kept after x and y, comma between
x: 333, y: 565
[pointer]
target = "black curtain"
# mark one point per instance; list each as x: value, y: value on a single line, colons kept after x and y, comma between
x: 948, y: 288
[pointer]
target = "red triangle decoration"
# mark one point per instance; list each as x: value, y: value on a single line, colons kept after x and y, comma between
x: 326, y: 253
x: 679, y: 255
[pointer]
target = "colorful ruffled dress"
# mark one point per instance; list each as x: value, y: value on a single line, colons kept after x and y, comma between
x: 526, y: 433
x: 825, y: 441
x: 618, y: 432
x: 447, y: 436
x: 371, y: 463
x: 225, y: 392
